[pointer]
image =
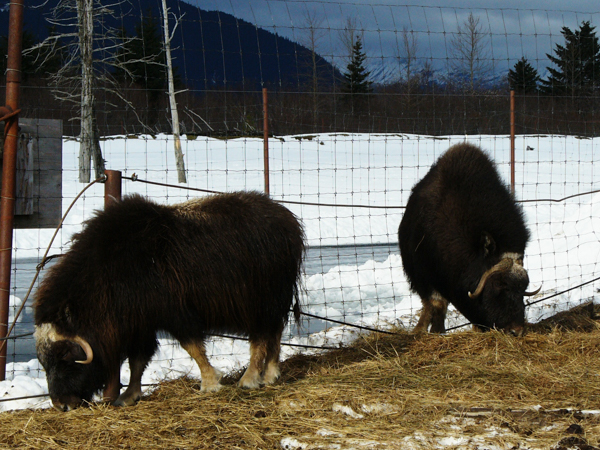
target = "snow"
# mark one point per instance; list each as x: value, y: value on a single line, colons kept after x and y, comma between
x: 340, y: 169
x: 14, y: 304
x: 292, y: 444
x: 347, y: 411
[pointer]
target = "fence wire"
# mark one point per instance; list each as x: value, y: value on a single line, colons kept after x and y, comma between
x: 343, y: 161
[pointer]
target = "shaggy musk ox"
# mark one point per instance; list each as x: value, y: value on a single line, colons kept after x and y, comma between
x: 224, y: 264
x: 462, y: 240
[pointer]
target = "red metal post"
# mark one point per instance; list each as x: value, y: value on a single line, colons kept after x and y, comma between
x: 112, y: 187
x: 112, y: 193
x: 11, y: 131
x: 266, y: 139
x: 512, y: 142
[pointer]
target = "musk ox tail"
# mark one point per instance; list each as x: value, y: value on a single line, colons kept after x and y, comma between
x: 298, y: 289
x: 297, y: 309
x: 298, y: 286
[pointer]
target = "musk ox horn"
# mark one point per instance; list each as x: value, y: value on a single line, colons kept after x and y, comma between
x: 503, y: 266
x: 47, y: 332
x: 89, y: 353
x: 530, y: 294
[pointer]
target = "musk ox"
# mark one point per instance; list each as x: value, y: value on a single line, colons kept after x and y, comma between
x: 224, y: 264
x: 462, y: 240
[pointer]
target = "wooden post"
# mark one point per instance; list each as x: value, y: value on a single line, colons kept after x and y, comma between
x: 512, y: 142
x: 266, y: 139
x: 9, y: 114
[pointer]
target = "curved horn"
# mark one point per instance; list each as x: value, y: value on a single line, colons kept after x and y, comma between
x: 89, y: 353
x: 530, y: 294
x: 502, y: 266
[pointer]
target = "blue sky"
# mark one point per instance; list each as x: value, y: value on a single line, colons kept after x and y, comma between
x: 512, y: 29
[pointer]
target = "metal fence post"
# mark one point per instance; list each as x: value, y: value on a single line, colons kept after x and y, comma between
x: 512, y: 142
x: 266, y: 139
x: 112, y: 187
x: 9, y: 114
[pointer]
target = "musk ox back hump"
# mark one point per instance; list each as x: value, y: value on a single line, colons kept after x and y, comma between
x: 479, y: 197
x: 462, y: 196
x: 254, y: 239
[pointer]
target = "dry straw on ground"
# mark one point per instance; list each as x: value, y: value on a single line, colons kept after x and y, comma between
x: 465, y: 390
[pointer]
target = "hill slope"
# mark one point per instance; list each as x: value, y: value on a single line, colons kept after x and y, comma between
x: 211, y: 49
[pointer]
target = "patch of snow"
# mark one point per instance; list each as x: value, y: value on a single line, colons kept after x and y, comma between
x: 347, y: 410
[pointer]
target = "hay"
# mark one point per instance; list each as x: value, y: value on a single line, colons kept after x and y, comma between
x: 463, y: 390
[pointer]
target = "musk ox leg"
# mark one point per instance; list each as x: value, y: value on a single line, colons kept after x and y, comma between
x: 272, y: 359
x: 433, y: 313
x: 425, y: 317
x: 439, y: 307
x: 133, y: 393
x: 252, y: 378
x: 210, y: 375
x: 112, y: 388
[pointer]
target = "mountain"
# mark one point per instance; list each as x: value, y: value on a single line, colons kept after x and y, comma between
x: 211, y: 49
x: 383, y: 71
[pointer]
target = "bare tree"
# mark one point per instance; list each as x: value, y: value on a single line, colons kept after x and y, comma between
x: 314, y: 33
x: 172, y: 100
x: 90, y: 50
x: 470, y: 54
x: 407, y: 57
x: 89, y: 140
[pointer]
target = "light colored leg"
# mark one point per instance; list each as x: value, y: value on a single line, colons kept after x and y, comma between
x: 134, y: 391
x: 253, y: 376
x: 433, y: 313
x: 272, y: 371
x: 210, y: 375
x: 438, y: 315
x: 424, y: 317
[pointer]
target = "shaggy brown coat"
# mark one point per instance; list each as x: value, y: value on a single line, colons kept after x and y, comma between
x: 228, y: 263
x: 462, y: 240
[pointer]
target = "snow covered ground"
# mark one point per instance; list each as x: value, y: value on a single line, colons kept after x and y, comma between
x: 374, y: 170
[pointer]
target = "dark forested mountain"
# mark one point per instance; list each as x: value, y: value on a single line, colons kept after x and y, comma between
x: 211, y: 49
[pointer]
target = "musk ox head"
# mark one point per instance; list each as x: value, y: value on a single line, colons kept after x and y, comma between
x: 500, y: 294
x: 72, y: 373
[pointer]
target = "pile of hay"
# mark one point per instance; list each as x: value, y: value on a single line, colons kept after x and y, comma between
x: 463, y: 390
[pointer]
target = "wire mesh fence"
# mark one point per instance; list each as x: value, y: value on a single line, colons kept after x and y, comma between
x: 344, y: 162
x: 431, y: 70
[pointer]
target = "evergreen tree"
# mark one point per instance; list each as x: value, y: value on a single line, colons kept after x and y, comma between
x: 577, y: 63
x: 144, y: 58
x: 523, y: 78
x: 356, y: 75
x: 356, y: 78
x: 37, y: 59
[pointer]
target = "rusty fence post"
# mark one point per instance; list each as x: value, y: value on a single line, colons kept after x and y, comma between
x: 112, y: 187
x: 266, y: 139
x: 9, y: 114
x: 512, y: 142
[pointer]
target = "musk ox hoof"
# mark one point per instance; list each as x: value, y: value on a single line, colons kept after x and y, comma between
x: 211, y: 383
x: 211, y: 387
x: 272, y: 374
x: 251, y: 379
x: 127, y: 399
x: 249, y: 383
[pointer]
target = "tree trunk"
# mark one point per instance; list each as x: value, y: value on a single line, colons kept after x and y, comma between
x: 89, y: 139
x: 172, y: 101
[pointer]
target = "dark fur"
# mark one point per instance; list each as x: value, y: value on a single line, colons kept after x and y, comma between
x: 459, y: 219
x: 227, y: 264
